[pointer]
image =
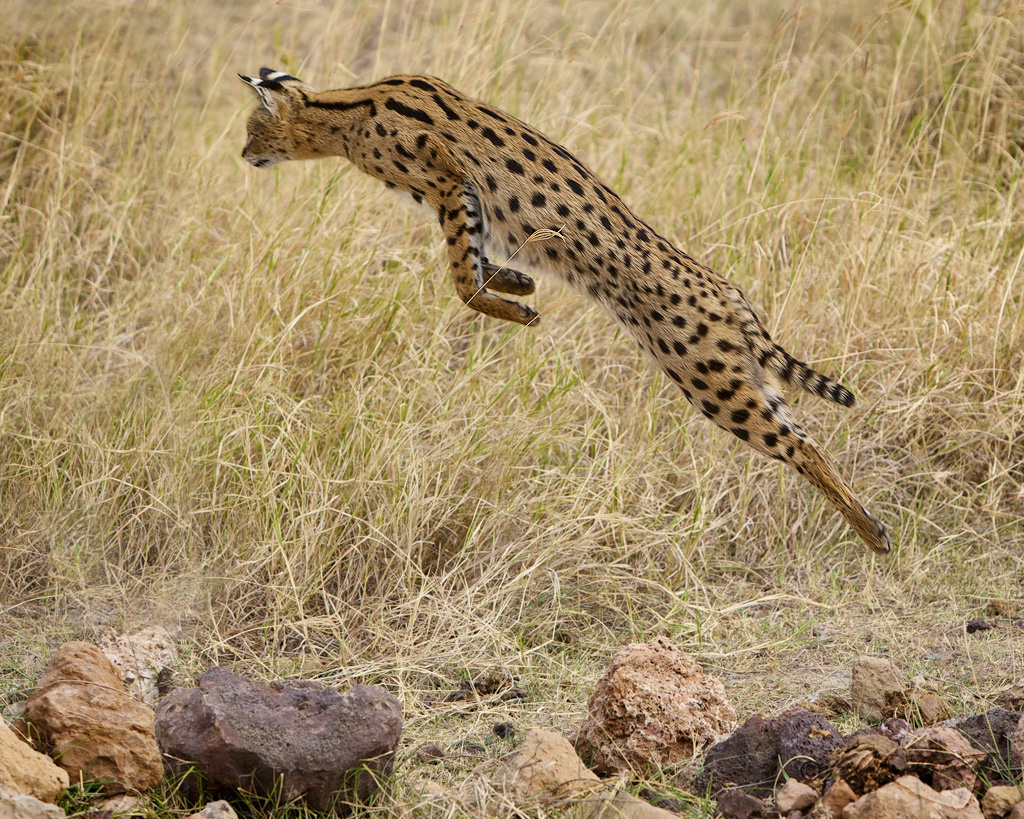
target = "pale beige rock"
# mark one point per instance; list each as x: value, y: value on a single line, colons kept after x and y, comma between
x: 216, y: 810
x: 125, y: 804
x: 29, y: 772
x: 832, y: 802
x: 909, y: 798
x: 794, y: 795
x: 14, y: 805
x: 653, y: 707
x: 139, y: 658
x: 81, y: 712
x: 546, y: 769
x: 545, y: 766
x: 999, y: 800
x: 1017, y: 812
x: 876, y: 690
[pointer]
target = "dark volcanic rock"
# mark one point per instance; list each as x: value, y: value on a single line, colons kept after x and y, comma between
x: 990, y: 732
x: 748, y: 758
x: 296, y: 740
x: 798, y: 742
x: 806, y: 741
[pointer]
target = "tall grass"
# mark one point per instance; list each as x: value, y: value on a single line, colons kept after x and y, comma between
x: 249, y: 406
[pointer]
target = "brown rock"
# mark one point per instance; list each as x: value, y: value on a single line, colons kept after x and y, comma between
x: 836, y: 797
x: 999, y: 800
x: 653, y: 707
x: 927, y: 704
x: 869, y: 761
x: 14, y: 805
x: 736, y: 804
x: 294, y: 740
x: 27, y: 771
x: 909, y: 798
x: 1012, y: 698
x: 794, y: 795
x: 1015, y: 745
x: 81, y: 714
x: 876, y: 690
x: 942, y: 757
x: 1017, y: 812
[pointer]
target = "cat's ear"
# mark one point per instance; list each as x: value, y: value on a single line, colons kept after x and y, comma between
x: 267, y: 91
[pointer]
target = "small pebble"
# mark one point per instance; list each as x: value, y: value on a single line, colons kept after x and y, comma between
x: 504, y: 729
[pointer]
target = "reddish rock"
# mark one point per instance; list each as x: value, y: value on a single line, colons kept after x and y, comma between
x: 653, y: 707
x: 909, y: 798
x: 81, y: 714
x: 940, y: 756
x: 834, y: 799
x: 794, y: 796
x: 293, y: 740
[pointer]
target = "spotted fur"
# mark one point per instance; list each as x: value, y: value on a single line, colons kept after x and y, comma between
x: 495, y: 183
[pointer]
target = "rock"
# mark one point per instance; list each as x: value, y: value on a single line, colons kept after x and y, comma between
x: 1015, y: 745
x: 14, y: 805
x: 545, y: 768
x: 750, y: 758
x: 216, y: 810
x: 503, y: 729
x: 293, y: 740
x: 976, y: 625
x: 29, y: 772
x: 1012, y: 699
x: 942, y: 757
x: 806, y: 742
x: 1017, y: 812
x: 836, y: 797
x: 999, y: 800
x: 795, y: 795
x: 660, y: 800
x: 876, y: 690
x: 82, y: 715
x: 928, y: 705
x: 653, y: 707
x: 990, y: 732
x: 909, y: 798
x: 124, y: 804
x: 431, y: 752
x: 139, y: 658
x: 736, y: 804
x: 868, y: 761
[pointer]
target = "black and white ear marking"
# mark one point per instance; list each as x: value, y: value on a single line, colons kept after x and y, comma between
x: 264, y: 90
x: 268, y: 75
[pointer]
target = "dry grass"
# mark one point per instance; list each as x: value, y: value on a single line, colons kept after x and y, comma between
x: 248, y: 405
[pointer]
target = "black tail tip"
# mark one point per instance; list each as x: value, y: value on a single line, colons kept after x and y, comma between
x: 842, y: 396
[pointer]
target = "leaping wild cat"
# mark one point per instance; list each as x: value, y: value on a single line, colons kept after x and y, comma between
x: 495, y: 182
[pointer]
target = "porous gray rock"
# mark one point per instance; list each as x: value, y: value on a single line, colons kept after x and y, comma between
x: 296, y: 740
x: 81, y: 714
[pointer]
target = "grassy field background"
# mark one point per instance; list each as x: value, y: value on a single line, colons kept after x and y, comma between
x: 249, y: 407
